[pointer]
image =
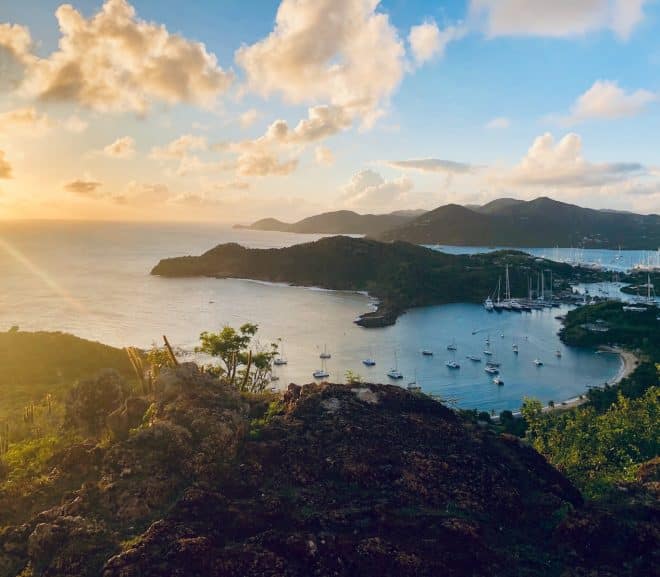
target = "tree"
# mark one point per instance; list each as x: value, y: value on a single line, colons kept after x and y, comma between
x: 244, y: 364
x: 532, y: 412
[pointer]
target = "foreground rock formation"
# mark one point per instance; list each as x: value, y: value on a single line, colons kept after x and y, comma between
x: 328, y: 480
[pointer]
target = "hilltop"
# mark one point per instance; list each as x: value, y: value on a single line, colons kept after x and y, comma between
x: 542, y: 222
x: 339, y: 222
x: 325, y: 480
x: 399, y: 274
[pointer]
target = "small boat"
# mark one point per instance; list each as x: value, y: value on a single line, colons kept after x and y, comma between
x: 474, y: 358
x: 499, y: 382
x: 558, y: 353
x: 538, y: 362
x: 492, y: 364
x: 368, y: 362
x: 395, y: 373
x: 413, y: 387
x: 515, y: 349
x: 325, y: 354
x: 492, y: 370
x: 274, y: 378
x: 488, y: 353
x: 427, y: 353
x: 280, y: 359
x: 320, y: 374
x: 453, y: 365
x: 452, y: 346
x: 488, y: 304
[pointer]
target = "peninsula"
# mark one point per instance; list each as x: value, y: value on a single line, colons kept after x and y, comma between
x: 399, y: 274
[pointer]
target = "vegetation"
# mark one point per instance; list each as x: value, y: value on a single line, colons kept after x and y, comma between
x: 245, y: 364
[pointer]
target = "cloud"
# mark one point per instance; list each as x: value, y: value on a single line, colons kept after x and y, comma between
x: 432, y: 165
x: 499, y: 123
x: 368, y: 189
x: 75, y: 124
x: 120, y: 148
x: 248, y: 118
x: 341, y: 52
x: 179, y: 148
x: 606, y: 100
x: 5, y: 167
x: 324, y: 156
x: 264, y: 164
x: 114, y: 61
x: 143, y: 193
x: 82, y: 187
x: 558, y: 18
x: 428, y: 41
x: 562, y: 165
x: 26, y: 121
x: 230, y: 186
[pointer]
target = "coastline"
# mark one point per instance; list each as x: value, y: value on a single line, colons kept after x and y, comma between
x: 629, y: 362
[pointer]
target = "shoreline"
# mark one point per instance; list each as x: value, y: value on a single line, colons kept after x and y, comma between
x: 629, y: 362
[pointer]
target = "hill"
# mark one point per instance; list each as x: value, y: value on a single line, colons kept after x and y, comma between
x: 338, y: 222
x: 542, y: 222
x: 400, y: 274
x: 325, y: 480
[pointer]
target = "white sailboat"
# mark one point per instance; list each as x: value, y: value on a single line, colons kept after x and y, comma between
x: 321, y: 373
x: 369, y: 361
x: 395, y: 373
x: 280, y: 359
x: 413, y: 387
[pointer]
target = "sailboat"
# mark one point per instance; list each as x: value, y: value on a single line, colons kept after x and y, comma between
x: 452, y: 346
x: 321, y: 373
x: 369, y: 361
x: 498, y: 381
x: 280, y: 359
x: 325, y: 354
x: 395, y: 373
x: 515, y: 348
x: 427, y: 353
x: 538, y: 362
x: 413, y: 387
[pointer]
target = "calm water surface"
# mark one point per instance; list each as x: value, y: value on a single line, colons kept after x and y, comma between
x: 93, y: 280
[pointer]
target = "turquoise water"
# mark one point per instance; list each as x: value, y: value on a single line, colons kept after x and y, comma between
x: 93, y: 280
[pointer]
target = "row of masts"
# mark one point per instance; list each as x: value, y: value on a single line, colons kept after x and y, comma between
x: 543, y: 298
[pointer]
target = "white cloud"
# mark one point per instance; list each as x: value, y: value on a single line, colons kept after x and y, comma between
x: 607, y: 100
x: 179, y: 148
x: 248, y: 118
x: 432, y: 165
x: 75, y: 124
x: 369, y: 190
x: 558, y: 18
x: 339, y: 51
x: 562, y: 165
x: 114, y: 61
x: 5, y: 167
x: 232, y: 185
x: 120, y: 148
x: 324, y: 156
x: 143, y: 193
x: 264, y: 164
x: 498, y: 123
x: 428, y: 41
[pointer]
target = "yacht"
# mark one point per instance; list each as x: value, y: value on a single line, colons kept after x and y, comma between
x: 453, y: 365
x: 499, y: 382
x: 488, y: 353
x: 369, y: 362
x: 538, y: 362
x: 452, y: 346
x: 492, y: 370
x: 395, y: 373
x: 515, y: 349
x: 320, y: 374
x: 413, y: 387
x: 280, y: 359
x: 488, y: 304
x: 558, y: 353
x: 492, y: 364
x: 474, y: 358
x: 325, y: 354
x: 427, y: 353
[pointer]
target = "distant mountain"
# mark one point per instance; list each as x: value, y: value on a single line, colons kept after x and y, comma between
x: 339, y: 222
x: 541, y: 222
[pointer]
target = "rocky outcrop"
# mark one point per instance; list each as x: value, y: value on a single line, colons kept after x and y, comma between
x: 324, y: 480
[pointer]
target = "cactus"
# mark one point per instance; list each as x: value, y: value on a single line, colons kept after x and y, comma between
x: 49, y: 403
x: 4, y: 439
x: 173, y: 359
x: 246, y: 377
x: 28, y: 414
x: 138, y: 367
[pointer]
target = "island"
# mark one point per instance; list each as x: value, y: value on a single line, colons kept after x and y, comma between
x: 399, y: 274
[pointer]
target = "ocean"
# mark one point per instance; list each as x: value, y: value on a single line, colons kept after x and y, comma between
x: 92, y: 279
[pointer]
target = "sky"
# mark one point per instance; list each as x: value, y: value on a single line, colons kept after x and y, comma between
x: 234, y: 110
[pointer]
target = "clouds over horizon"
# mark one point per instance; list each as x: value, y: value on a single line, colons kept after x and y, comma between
x: 436, y: 165
x: 5, y: 167
x: 368, y: 189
